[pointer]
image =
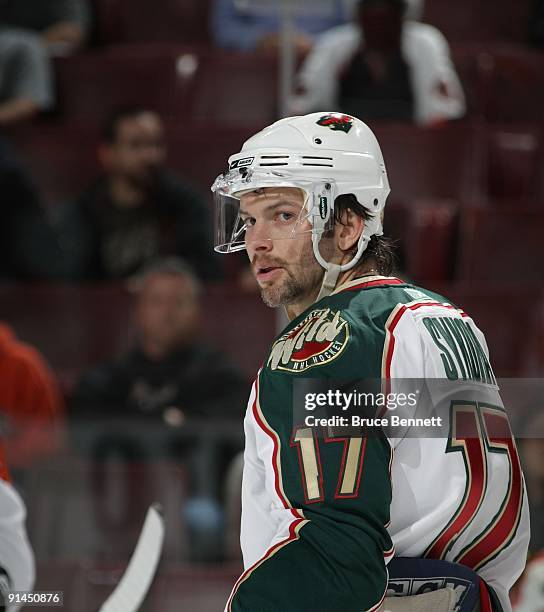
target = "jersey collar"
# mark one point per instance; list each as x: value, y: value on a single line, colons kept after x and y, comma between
x: 367, y: 282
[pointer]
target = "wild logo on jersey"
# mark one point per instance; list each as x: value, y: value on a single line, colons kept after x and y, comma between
x: 318, y: 339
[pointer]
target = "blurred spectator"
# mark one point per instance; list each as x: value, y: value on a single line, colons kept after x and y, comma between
x: 137, y: 210
x: 25, y: 76
x: 414, y: 9
x: 30, y: 402
x: 233, y: 507
x: 236, y: 25
x: 17, y: 564
x: 61, y: 24
x: 171, y: 376
x: 30, y: 30
x: 26, y: 242
x: 383, y: 66
x: 170, y: 373
x: 531, y: 448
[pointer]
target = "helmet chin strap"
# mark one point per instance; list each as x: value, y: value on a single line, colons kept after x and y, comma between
x: 332, y: 270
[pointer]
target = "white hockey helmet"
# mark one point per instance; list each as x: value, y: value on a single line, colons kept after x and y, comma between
x: 324, y: 154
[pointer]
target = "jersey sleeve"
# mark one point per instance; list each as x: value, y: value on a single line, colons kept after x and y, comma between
x: 16, y: 557
x: 257, y: 529
x: 475, y: 512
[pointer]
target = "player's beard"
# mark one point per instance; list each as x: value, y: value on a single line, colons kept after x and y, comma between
x: 298, y: 282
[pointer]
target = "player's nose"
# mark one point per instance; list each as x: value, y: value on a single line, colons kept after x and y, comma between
x: 258, y: 239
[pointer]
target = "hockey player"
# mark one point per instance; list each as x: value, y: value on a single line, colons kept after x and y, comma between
x: 305, y: 198
x: 17, y: 569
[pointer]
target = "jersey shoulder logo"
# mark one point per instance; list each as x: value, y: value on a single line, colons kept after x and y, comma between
x: 336, y: 122
x: 317, y: 340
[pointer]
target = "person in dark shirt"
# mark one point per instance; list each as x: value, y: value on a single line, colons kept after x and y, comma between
x: 169, y: 378
x: 137, y: 210
x: 27, y: 244
x: 31, y: 31
x: 376, y: 82
x: 382, y: 66
x: 169, y: 373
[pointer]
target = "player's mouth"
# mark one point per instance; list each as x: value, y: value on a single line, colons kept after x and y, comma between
x: 267, y: 273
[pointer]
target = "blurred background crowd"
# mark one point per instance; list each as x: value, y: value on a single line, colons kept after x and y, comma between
x: 127, y: 347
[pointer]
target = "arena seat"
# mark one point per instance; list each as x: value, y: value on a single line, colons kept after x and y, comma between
x: 159, y: 77
x: 467, y: 58
x: 451, y: 19
x: 490, y: 20
x: 109, y: 500
x: 201, y: 152
x: 513, y: 163
x: 514, y: 85
x: 428, y: 163
x: 426, y: 231
x: 501, y: 245
x: 94, y: 321
x: 62, y: 160
x: 121, y: 21
x: 236, y: 89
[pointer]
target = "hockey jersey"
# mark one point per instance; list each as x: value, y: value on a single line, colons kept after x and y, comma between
x: 459, y: 497
x: 17, y: 568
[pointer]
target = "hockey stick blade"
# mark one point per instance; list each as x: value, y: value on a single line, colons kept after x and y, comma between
x: 129, y: 594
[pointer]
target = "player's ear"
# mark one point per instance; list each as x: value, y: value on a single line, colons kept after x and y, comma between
x: 348, y: 229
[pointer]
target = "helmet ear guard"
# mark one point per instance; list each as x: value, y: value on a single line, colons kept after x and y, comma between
x: 372, y: 226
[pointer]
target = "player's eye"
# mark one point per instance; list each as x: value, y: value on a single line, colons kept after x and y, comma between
x: 285, y: 216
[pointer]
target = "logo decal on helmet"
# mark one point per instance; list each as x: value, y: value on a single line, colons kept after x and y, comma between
x: 241, y: 163
x: 336, y: 122
x: 323, y: 207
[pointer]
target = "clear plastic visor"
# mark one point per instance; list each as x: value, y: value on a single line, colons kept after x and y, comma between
x: 255, y: 206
